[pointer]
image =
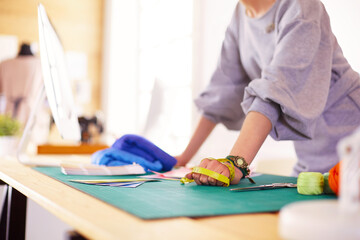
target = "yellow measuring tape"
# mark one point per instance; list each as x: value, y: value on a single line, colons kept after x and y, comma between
x: 213, y: 174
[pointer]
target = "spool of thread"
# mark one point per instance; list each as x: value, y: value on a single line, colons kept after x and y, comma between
x: 327, y: 188
x: 310, y: 183
x: 334, y: 177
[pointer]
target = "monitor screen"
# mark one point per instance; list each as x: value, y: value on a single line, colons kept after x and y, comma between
x: 56, y: 81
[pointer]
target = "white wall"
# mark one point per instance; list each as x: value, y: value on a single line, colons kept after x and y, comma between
x: 344, y: 18
x: 120, y: 66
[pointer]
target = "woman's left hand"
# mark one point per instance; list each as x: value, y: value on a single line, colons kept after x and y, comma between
x: 216, y: 166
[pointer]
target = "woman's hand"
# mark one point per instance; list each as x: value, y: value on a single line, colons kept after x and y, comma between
x: 215, y: 166
x: 181, y: 161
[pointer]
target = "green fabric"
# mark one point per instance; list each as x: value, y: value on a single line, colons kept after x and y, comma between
x: 167, y: 198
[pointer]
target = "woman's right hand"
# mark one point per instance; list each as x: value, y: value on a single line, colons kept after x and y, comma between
x: 216, y: 166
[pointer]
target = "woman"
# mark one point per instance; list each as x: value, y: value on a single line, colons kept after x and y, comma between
x: 281, y: 72
x: 20, y: 78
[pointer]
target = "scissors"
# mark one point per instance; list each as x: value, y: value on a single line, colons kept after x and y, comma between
x: 265, y: 187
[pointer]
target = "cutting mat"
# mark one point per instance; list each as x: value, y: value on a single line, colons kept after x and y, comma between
x: 167, y: 199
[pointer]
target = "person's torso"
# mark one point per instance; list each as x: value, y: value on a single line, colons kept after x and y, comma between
x: 258, y: 37
x: 19, y: 75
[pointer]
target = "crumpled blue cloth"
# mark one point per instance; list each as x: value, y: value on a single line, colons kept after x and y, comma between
x: 142, y: 147
x: 132, y: 148
x: 115, y: 157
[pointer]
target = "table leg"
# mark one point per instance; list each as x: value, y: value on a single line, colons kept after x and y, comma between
x: 13, y: 216
x: 73, y: 235
x: 3, y: 210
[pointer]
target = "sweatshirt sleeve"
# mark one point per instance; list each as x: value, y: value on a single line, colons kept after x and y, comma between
x: 221, y: 100
x: 293, y: 89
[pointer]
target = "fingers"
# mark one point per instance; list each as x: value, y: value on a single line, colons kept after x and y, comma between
x: 203, y: 179
x: 189, y: 175
x: 225, y: 172
x: 212, y: 181
x: 212, y: 165
x: 197, y: 179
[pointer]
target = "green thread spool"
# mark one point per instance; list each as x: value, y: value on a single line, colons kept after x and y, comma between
x: 310, y: 183
x: 327, y: 189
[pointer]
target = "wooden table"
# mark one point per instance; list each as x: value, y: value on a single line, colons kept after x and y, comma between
x: 95, y: 219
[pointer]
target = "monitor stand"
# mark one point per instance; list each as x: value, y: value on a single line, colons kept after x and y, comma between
x: 21, y: 153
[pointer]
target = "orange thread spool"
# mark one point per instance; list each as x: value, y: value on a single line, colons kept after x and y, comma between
x: 334, y: 178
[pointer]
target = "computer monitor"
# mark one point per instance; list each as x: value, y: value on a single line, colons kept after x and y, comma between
x: 56, y: 87
x: 57, y: 83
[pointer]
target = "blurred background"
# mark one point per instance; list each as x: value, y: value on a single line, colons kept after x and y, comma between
x: 137, y: 65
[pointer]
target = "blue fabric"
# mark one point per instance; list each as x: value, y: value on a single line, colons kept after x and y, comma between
x: 142, y: 147
x: 115, y: 157
x: 132, y: 148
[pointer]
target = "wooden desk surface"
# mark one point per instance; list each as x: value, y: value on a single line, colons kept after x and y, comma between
x: 95, y: 219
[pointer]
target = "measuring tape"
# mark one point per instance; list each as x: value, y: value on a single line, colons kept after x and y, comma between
x: 219, y: 177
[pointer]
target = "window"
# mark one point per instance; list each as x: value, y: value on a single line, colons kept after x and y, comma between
x: 148, y: 70
x: 165, y: 71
